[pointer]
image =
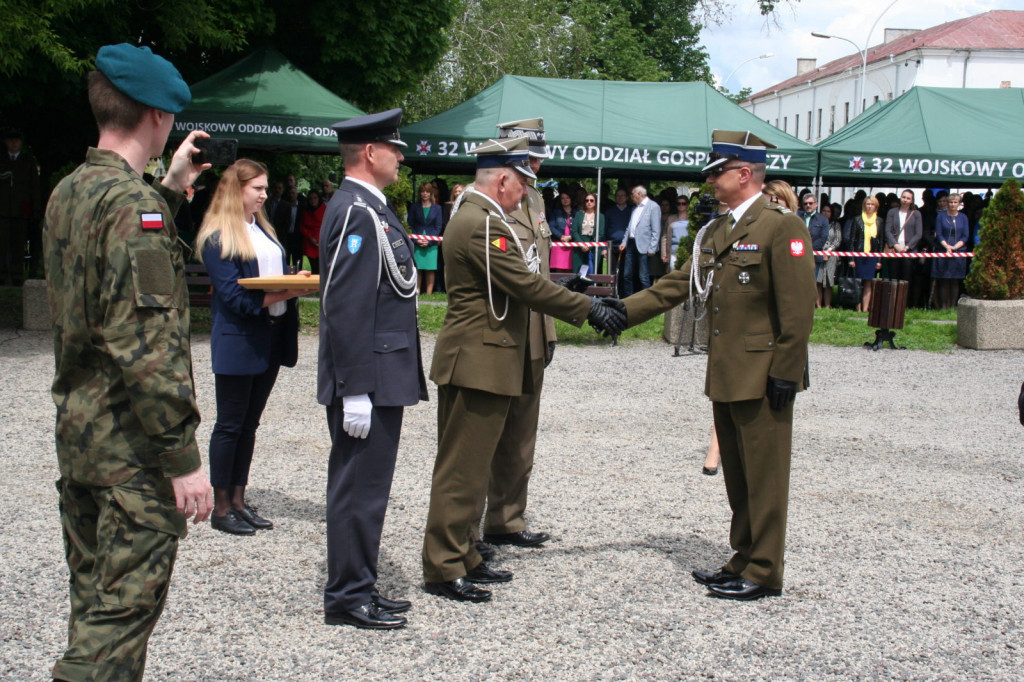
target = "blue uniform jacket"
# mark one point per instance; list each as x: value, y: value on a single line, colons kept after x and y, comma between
x: 240, y: 342
x: 369, y: 340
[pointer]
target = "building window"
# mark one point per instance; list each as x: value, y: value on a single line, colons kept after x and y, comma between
x: 831, y: 119
x: 846, y: 106
x: 819, y: 122
x: 796, y: 125
x: 785, y: 124
x: 808, y: 125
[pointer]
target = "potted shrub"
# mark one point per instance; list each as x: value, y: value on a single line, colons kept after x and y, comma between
x: 993, y: 316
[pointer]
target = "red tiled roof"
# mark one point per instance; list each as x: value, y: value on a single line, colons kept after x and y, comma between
x: 995, y: 30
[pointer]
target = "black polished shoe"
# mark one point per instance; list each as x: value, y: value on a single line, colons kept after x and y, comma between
x: 714, y: 578
x: 232, y: 523
x: 390, y: 605
x: 742, y: 590
x: 709, y: 471
x: 459, y: 589
x: 485, y: 574
x: 485, y: 551
x: 368, y: 616
x: 523, y: 538
x: 250, y: 516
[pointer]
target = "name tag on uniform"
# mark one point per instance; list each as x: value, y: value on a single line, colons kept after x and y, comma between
x: 747, y: 247
x: 707, y: 250
x: 395, y: 244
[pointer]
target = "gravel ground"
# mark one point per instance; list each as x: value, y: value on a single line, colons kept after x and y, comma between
x: 905, y: 549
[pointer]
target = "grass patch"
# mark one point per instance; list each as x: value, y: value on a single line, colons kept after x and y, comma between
x: 923, y: 329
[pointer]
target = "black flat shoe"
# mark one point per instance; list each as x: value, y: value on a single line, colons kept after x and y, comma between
x: 742, y: 590
x: 523, y: 538
x: 232, y: 523
x: 459, y: 589
x: 250, y: 516
x: 390, y: 605
x: 368, y: 616
x: 709, y: 471
x: 485, y: 574
x: 719, y: 577
x: 485, y: 551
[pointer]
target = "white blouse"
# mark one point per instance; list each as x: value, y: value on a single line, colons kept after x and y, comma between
x: 269, y: 256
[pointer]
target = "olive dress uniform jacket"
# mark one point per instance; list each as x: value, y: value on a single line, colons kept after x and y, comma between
x: 474, y: 348
x: 531, y: 213
x: 369, y: 341
x: 761, y: 307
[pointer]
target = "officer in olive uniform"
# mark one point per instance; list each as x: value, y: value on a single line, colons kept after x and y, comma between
x: 130, y: 470
x: 480, y: 359
x: 755, y: 275
x: 370, y: 365
x: 513, y: 458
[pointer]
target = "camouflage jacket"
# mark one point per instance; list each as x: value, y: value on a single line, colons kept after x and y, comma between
x: 116, y: 285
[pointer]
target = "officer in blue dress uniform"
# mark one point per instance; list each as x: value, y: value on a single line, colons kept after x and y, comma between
x: 370, y: 365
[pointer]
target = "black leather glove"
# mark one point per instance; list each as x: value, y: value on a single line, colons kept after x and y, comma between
x: 551, y: 353
x: 606, y: 318
x: 576, y: 283
x: 780, y: 393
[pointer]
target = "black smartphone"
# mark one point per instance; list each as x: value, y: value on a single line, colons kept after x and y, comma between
x: 219, y: 151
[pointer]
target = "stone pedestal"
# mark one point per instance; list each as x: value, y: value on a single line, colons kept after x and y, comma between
x: 34, y: 306
x: 990, y: 325
x: 679, y: 321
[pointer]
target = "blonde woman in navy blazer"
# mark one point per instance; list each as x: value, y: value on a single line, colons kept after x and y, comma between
x: 254, y: 333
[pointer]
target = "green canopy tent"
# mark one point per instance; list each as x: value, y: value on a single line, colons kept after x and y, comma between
x: 931, y: 136
x: 266, y: 102
x: 646, y: 129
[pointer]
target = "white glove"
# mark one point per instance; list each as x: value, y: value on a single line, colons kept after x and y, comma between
x: 358, y: 409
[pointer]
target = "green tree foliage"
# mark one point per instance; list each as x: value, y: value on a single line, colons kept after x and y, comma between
x: 997, y: 272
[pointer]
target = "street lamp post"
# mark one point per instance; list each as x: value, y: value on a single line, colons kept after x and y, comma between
x: 863, y: 53
x: 766, y: 55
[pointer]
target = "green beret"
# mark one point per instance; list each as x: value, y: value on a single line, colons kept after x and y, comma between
x: 145, y: 77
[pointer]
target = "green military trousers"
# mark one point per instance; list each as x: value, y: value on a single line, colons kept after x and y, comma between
x: 120, y: 543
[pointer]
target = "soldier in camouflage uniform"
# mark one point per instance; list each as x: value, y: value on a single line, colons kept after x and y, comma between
x: 130, y: 471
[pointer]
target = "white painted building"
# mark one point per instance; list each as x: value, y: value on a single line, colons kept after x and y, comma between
x: 983, y: 51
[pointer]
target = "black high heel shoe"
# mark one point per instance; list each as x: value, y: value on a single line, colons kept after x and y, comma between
x: 709, y: 471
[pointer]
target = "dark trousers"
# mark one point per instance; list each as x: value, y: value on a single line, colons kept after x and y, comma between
x: 240, y: 403
x: 901, y: 268
x: 13, y: 233
x: 756, y: 444
x: 634, y: 264
x: 359, y: 475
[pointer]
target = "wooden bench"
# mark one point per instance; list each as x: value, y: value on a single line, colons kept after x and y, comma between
x: 604, y: 285
x: 197, y: 281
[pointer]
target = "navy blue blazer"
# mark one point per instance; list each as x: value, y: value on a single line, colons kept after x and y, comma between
x: 241, y: 339
x: 418, y: 225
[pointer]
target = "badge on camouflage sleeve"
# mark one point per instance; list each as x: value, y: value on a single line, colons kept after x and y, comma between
x: 796, y: 247
x: 152, y: 221
x: 354, y: 243
x: 500, y: 243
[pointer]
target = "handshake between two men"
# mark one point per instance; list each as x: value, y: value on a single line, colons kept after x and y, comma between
x: 607, y: 315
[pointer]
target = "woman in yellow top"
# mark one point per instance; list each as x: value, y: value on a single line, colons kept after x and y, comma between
x: 864, y: 233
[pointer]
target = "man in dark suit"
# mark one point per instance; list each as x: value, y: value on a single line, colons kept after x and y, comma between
x: 757, y: 281
x: 19, y: 208
x: 370, y: 365
x: 286, y: 224
x: 817, y: 226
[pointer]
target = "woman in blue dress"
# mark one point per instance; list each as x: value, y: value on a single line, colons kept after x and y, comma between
x: 951, y: 231
x: 863, y: 234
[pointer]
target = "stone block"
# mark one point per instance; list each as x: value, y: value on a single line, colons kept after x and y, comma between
x: 34, y: 306
x: 990, y: 325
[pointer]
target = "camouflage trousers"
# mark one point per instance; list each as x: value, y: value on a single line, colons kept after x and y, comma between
x: 120, y: 543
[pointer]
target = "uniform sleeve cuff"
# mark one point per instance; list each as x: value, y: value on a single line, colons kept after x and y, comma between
x: 181, y: 462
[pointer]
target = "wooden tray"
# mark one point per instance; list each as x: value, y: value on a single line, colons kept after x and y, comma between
x: 281, y: 282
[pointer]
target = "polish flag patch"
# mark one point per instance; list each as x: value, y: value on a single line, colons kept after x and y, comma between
x: 500, y: 243
x: 152, y: 221
x: 796, y: 247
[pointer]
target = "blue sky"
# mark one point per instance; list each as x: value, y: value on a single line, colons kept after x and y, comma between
x: 748, y: 35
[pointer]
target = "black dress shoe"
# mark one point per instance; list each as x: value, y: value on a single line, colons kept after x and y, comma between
x: 368, y: 616
x: 250, y: 516
x: 485, y: 574
x: 485, y: 551
x: 459, y: 589
x: 709, y: 471
x: 742, y: 590
x: 714, y: 578
x: 390, y: 605
x: 232, y: 523
x: 523, y: 538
